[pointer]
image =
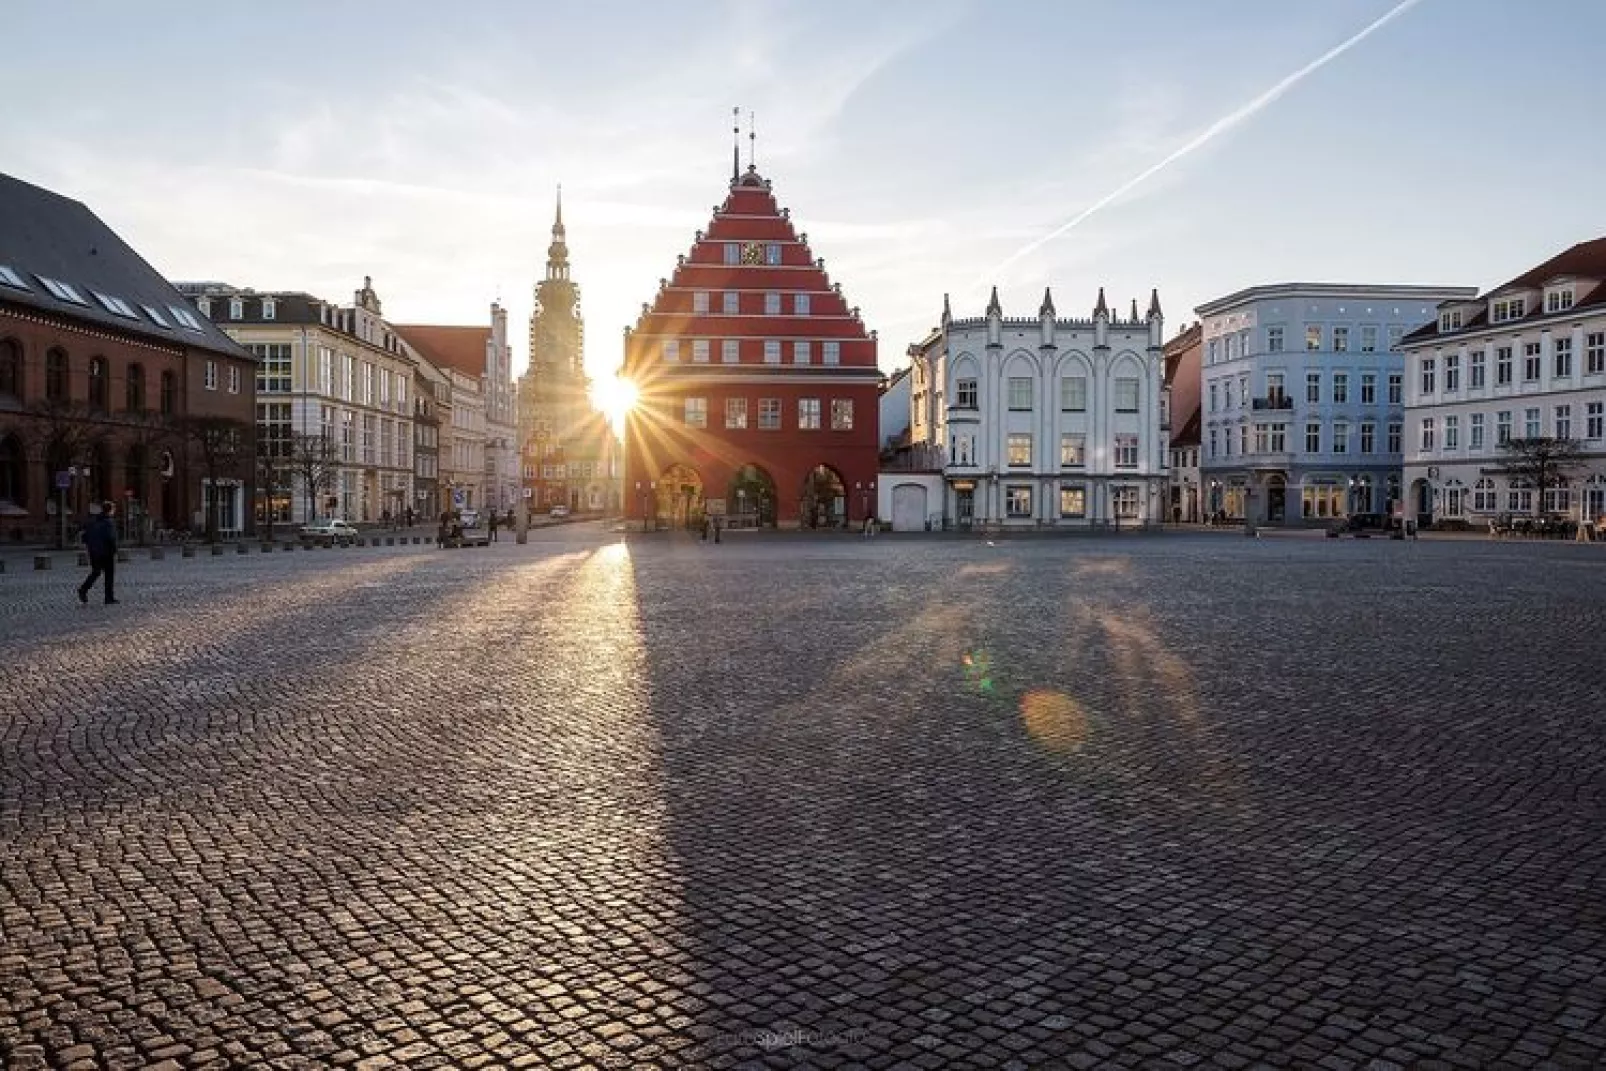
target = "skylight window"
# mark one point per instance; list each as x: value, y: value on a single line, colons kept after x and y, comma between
x: 156, y: 316
x: 62, y: 291
x: 116, y: 305
x: 185, y: 317
x: 11, y: 278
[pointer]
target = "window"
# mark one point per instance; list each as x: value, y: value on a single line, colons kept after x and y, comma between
x: 1455, y: 499
x: 965, y: 395
x: 1243, y: 438
x: 62, y: 291
x: 1450, y: 321
x: 699, y: 301
x: 1073, y: 394
x: 699, y: 350
x: 1530, y: 423
x: 1126, y: 451
x: 169, y: 394
x: 236, y: 309
x: 134, y: 393
x: 1340, y: 388
x: 1559, y: 300
x: 841, y: 414
x: 1368, y: 436
x: 1396, y: 388
x: 1211, y: 450
x: 1595, y: 353
x: 1279, y: 438
x: 731, y: 304
x: 115, y: 305
x: 696, y: 412
x: 672, y: 350
x: 1126, y: 395
x: 270, y: 308
x: 325, y: 369
x: 830, y: 353
x: 1020, y: 392
x: 1483, y: 496
x: 733, y: 253
x: 1313, y: 438
x: 1260, y: 438
x: 1594, y: 417
x: 1557, y: 499
x: 211, y: 375
x: 1428, y: 374
x: 1073, y: 502
x: 1341, y: 437
x: 736, y: 412
x: 1125, y: 502
x: 1274, y: 340
x: 1313, y: 388
x: 1561, y: 351
x: 1396, y: 434
x: 1502, y: 427
x: 1452, y: 372
x: 800, y: 353
x: 1215, y: 396
x: 1508, y: 309
x: 1475, y: 432
x: 1396, y: 333
x: 772, y: 351
x: 1212, y: 349
x: 1452, y: 433
x: 1520, y: 498
x: 1563, y: 421
x: 772, y: 253
x: 1073, y: 451
x: 769, y: 414
x: 1020, y: 449
x: 1530, y: 362
x: 234, y: 379
x: 1313, y: 337
x: 1502, y: 366
x: 1018, y: 500
x: 1368, y: 340
x: 1340, y: 340
x: 1368, y: 388
x: 1475, y: 370
x: 9, y: 277
x: 730, y: 351
x: 772, y: 304
x: 1226, y: 394
x: 800, y: 304
x: 808, y: 414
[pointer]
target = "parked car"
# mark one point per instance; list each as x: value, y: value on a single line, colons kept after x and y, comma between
x: 328, y: 533
x: 558, y: 511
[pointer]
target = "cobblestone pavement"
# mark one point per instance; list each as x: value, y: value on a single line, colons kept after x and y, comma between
x: 1154, y: 801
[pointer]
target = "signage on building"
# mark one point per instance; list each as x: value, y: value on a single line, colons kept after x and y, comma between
x: 63, y: 480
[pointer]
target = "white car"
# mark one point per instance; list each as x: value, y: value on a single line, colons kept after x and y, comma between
x: 329, y: 533
x: 558, y: 511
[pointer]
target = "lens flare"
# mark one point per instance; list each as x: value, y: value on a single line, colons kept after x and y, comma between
x: 1054, y: 720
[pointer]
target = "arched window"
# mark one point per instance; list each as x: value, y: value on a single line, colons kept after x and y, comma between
x: 134, y: 466
x: 56, y: 376
x: 1484, y: 499
x: 169, y: 394
x: 136, y: 388
x: 10, y: 368
x: 100, y: 472
x: 99, y: 387
x: 13, y: 472
x: 1455, y: 499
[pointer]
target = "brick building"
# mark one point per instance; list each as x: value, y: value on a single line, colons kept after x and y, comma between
x: 111, y: 387
x: 757, y: 382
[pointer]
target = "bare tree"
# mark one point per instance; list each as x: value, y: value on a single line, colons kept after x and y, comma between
x: 314, y: 461
x: 149, y: 433
x: 223, y: 445
x: 273, y: 477
x: 1541, y: 463
x: 67, y: 433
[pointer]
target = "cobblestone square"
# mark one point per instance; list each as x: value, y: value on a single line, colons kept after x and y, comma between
x: 604, y: 801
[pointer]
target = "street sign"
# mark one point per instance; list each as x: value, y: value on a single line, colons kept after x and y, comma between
x: 63, y: 480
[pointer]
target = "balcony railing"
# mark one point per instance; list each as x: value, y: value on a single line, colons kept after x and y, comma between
x: 1273, y: 401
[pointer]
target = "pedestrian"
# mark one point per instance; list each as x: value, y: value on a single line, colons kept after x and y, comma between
x: 440, y: 534
x: 409, y: 516
x: 100, y: 540
x: 492, y: 525
x: 708, y: 523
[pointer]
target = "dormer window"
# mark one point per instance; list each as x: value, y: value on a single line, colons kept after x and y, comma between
x: 1508, y: 309
x: 269, y: 308
x: 1450, y: 321
x: 8, y: 277
x: 236, y: 309
x: 1559, y: 299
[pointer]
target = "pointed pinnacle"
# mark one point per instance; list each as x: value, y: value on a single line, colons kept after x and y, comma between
x: 1101, y: 309
x: 1048, y: 303
x: 993, y: 305
x: 1154, y: 302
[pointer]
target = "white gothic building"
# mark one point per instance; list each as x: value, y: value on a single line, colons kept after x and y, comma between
x: 1525, y: 360
x: 1042, y: 421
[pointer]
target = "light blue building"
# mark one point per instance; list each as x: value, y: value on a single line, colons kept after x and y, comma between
x: 1302, y: 396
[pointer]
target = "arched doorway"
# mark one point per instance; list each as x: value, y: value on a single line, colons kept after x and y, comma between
x: 750, y: 499
x: 13, y: 474
x: 680, y: 497
x: 1419, y: 507
x: 825, y: 499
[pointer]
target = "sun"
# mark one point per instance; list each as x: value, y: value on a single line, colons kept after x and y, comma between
x: 615, y: 396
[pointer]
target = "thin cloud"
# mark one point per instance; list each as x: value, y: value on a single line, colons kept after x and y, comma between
x: 1210, y: 133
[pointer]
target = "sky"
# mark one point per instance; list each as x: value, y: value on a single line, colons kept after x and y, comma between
x: 926, y: 147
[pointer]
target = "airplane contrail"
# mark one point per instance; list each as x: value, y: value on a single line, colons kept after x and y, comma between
x: 1225, y: 123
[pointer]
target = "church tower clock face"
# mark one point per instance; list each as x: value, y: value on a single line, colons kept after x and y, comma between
x: 752, y: 253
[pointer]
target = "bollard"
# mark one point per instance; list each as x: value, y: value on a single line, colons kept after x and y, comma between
x: 390, y: 541
x: 157, y: 554
x: 267, y: 548
x: 217, y: 549
x: 187, y: 551
x: 359, y: 542
x: 83, y: 558
x: 42, y: 561
x: 242, y: 548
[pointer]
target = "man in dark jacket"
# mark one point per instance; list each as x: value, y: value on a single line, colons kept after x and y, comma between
x: 100, y: 540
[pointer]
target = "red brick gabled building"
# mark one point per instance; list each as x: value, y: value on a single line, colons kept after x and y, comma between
x: 757, y: 382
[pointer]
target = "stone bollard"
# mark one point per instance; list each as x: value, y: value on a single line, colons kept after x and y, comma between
x: 217, y: 549
x: 242, y: 548
x: 42, y: 561
x: 187, y: 551
x: 124, y: 556
x: 267, y: 548
x: 83, y: 558
x: 359, y: 542
x: 390, y: 541
x: 157, y: 554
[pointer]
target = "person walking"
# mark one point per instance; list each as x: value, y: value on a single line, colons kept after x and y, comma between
x: 491, y: 524
x: 100, y: 540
